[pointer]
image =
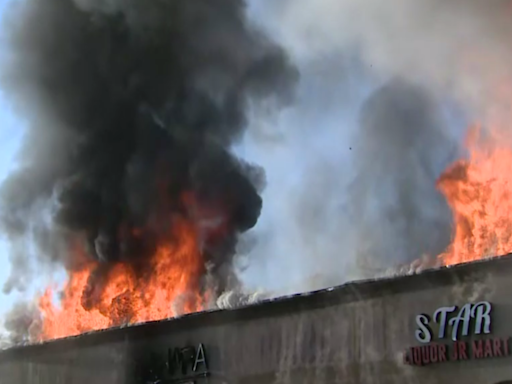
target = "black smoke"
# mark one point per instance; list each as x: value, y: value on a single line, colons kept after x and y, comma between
x: 130, y: 106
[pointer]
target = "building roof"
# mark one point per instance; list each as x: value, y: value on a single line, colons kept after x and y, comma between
x: 349, y: 292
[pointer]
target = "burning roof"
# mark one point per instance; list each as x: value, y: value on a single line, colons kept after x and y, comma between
x: 352, y: 291
x: 128, y: 178
x: 134, y: 109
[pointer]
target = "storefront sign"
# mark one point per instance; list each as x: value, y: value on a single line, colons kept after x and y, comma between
x: 459, y: 324
x: 454, y: 323
x: 187, y: 361
x: 178, y: 366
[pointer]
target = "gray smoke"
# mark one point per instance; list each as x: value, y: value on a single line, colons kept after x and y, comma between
x: 21, y: 325
x: 387, y: 90
x: 364, y: 200
x: 399, y: 152
x: 466, y: 54
x: 132, y: 108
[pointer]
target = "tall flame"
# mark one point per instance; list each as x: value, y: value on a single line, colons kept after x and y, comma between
x: 128, y: 295
x: 479, y: 192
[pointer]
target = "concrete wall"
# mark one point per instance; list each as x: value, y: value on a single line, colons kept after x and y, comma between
x: 351, y: 334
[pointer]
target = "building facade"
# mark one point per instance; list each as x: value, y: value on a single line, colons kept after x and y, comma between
x: 443, y: 326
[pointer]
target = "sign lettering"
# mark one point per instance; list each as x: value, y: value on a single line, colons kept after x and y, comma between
x: 188, y: 362
x: 457, y: 351
x: 179, y: 366
x: 480, y: 313
x: 181, y: 360
x: 455, y: 323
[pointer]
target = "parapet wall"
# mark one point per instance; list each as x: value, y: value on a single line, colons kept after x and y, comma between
x: 365, y: 332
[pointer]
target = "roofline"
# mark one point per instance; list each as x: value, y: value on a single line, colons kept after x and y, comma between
x: 348, y: 292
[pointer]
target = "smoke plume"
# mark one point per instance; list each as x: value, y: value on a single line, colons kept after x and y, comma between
x: 401, y: 147
x: 387, y: 90
x: 21, y: 324
x: 363, y: 209
x: 457, y: 46
x: 132, y: 109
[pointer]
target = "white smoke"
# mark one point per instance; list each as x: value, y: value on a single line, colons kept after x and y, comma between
x: 234, y: 299
x: 459, y: 46
x: 307, y: 236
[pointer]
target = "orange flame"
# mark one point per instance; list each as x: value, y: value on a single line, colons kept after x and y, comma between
x: 479, y: 192
x: 127, y: 295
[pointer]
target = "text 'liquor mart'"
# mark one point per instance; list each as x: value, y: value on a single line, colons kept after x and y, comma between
x: 457, y: 351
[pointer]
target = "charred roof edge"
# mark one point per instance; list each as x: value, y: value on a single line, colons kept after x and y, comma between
x: 348, y: 292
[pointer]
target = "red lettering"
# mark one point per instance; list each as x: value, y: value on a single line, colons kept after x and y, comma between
x: 455, y: 353
x: 477, y: 349
x: 406, y: 356
x: 462, y: 350
x: 433, y: 353
x: 442, y: 353
x: 488, y: 348
x: 425, y: 354
x: 416, y: 355
x: 497, y: 347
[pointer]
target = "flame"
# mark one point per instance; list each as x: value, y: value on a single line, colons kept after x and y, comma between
x: 478, y: 189
x: 126, y: 293
x: 479, y: 192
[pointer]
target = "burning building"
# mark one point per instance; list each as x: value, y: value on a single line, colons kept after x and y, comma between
x: 436, y: 327
x: 128, y: 180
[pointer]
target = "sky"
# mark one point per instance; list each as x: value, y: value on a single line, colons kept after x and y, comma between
x: 11, y: 133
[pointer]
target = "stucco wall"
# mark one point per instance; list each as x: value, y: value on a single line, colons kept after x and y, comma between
x: 351, y: 334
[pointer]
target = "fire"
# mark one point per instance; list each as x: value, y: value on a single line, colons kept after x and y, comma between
x: 126, y: 293
x: 479, y: 192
